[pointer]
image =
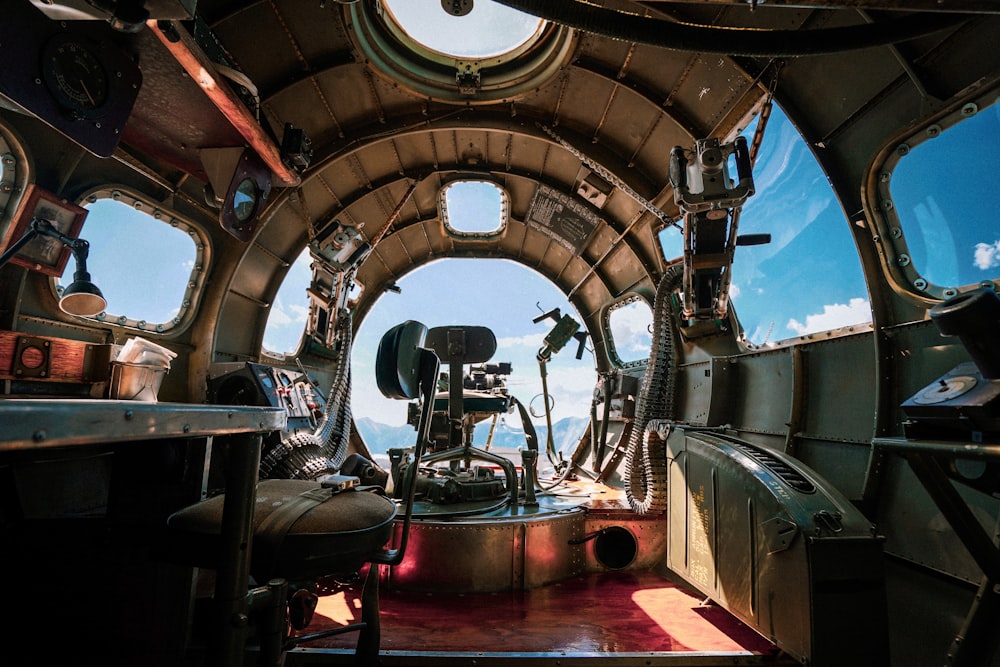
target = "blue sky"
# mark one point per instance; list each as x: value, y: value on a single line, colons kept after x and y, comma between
x: 139, y: 279
x: 952, y: 230
x: 498, y: 294
x: 809, y: 277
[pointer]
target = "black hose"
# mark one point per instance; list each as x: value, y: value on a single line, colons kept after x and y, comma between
x: 602, y: 443
x: 595, y: 436
x: 731, y: 41
x: 530, y: 434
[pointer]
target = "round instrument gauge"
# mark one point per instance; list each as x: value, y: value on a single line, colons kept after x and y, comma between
x: 75, y: 76
x: 245, y: 199
x: 945, y: 389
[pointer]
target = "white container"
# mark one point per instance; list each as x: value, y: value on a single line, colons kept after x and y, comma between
x: 135, y: 382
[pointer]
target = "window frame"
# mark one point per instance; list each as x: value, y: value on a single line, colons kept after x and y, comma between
x: 609, y: 336
x: 390, y: 50
x: 461, y: 235
x: 15, y: 174
x: 196, y: 280
x: 888, y: 227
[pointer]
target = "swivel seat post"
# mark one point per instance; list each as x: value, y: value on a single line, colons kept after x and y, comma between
x: 270, y: 605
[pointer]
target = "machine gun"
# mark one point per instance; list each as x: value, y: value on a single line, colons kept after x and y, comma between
x: 710, y: 202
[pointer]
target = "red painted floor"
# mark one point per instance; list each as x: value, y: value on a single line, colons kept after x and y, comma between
x: 605, y: 613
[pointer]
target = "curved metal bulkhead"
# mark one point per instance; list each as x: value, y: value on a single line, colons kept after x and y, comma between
x: 492, y: 555
x: 770, y: 541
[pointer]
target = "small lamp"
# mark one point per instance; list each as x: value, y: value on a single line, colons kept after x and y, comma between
x: 82, y: 297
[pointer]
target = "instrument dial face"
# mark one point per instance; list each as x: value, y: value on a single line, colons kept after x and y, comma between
x: 75, y: 76
x: 245, y: 199
x: 945, y: 389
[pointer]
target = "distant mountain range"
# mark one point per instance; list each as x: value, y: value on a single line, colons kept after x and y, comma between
x: 566, y: 434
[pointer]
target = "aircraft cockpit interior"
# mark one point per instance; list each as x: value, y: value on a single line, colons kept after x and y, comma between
x: 499, y: 332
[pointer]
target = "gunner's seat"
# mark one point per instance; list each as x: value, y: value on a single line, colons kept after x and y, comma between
x: 303, y: 529
x: 457, y: 346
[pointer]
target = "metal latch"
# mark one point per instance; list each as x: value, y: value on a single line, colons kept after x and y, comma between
x: 467, y: 78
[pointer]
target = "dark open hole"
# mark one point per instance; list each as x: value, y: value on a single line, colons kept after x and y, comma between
x: 615, y: 548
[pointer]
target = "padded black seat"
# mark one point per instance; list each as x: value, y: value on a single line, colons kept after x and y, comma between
x: 301, y: 530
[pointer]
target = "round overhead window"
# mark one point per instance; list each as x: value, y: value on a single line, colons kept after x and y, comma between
x: 464, y: 51
x: 465, y: 29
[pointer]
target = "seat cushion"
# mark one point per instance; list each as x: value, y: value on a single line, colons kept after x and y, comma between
x: 319, y: 533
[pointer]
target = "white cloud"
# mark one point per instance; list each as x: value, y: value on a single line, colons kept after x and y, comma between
x: 299, y: 314
x: 533, y: 341
x: 987, y: 255
x: 285, y: 325
x: 762, y: 335
x: 572, y: 379
x: 278, y: 317
x: 368, y: 401
x: 630, y: 327
x: 282, y: 316
x: 833, y: 316
x: 570, y: 383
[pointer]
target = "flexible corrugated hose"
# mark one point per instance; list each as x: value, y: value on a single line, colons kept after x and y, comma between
x: 645, y: 458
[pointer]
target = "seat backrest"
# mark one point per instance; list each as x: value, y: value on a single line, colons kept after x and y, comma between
x: 397, y: 363
x: 462, y: 344
x: 457, y: 346
x: 405, y: 369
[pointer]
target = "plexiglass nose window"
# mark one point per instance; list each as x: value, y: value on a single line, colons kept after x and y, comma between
x: 808, y: 279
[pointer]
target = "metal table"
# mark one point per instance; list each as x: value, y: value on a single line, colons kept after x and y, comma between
x: 42, y: 424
